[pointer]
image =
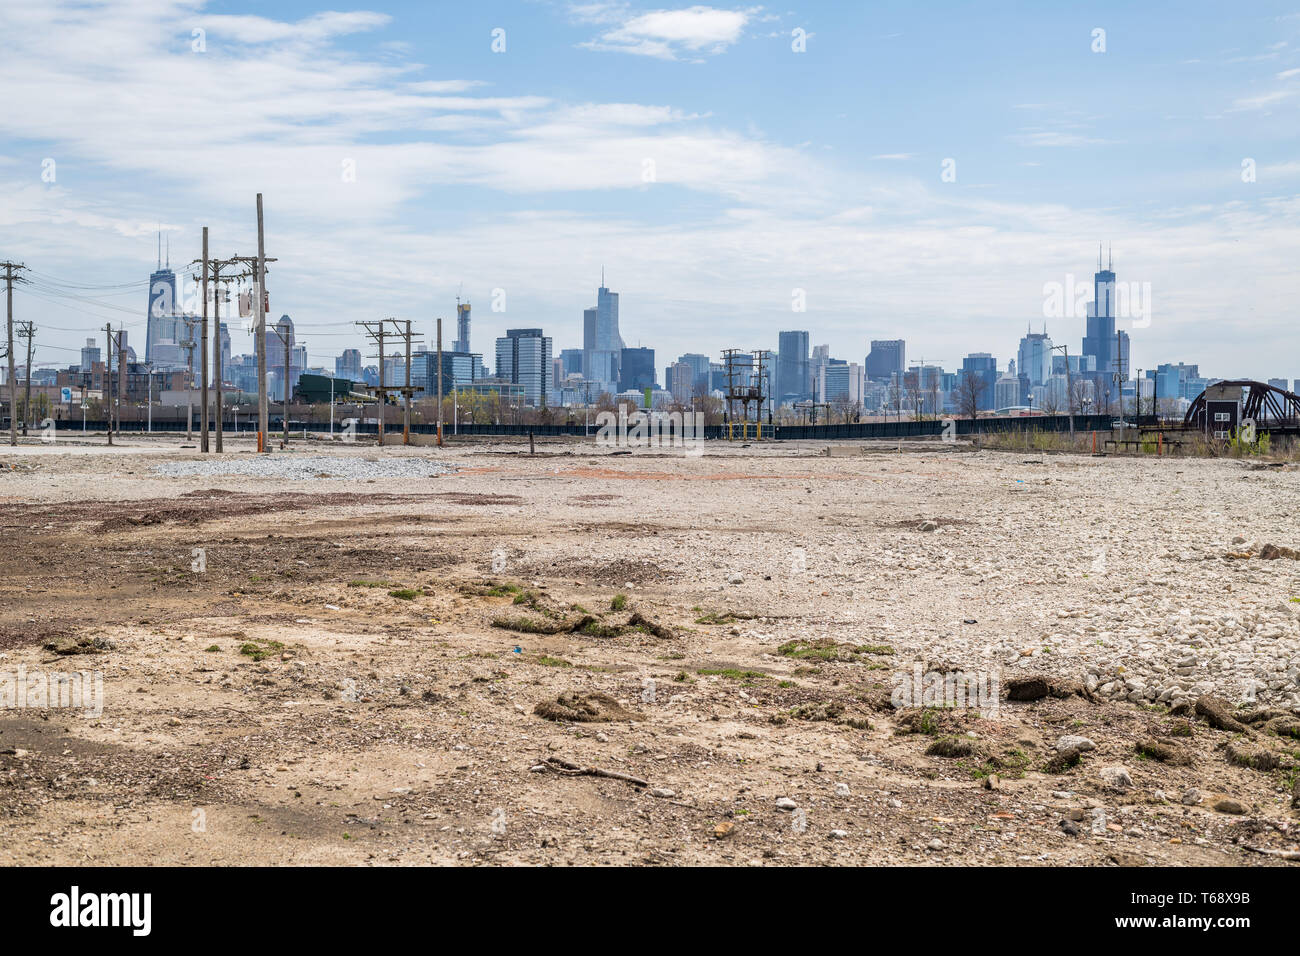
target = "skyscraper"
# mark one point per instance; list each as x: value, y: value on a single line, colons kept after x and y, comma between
x: 1099, y: 342
x: 90, y: 355
x: 348, y: 365
x: 792, y: 381
x: 161, y: 319
x: 637, y: 369
x: 462, y: 327
x: 602, y: 345
x: 524, y: 358
x: 888, y: 358
x: 1034, y: 359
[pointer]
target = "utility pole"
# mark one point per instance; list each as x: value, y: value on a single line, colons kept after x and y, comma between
x: 203, y: 352
x: 263, y: 411
x: 406, y: 423
x: 439, y: 382
x: 26, y: 331
x: 114, y: 345
x: 376, y: 331
x: 218, y: 292
x: 11, y: 270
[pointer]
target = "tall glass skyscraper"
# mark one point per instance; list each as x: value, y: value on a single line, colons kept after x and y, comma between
x: 792, y: 379
x: 602, y: 345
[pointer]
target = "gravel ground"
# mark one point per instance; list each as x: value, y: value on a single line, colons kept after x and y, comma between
x: 368, y: 669
x: 294, y: 467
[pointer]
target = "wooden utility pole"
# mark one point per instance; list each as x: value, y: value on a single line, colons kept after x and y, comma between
x: 11, y: 270
x: 376, y: 332
x: 263, y: 410
x: 216, y: 344
x: 406, y: 422
x: 203, y: 352
x: 27, y: 331
x: 440, y: 383
x: 114, y: 345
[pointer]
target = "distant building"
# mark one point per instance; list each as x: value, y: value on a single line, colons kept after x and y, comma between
x: 461, y: 344
x: 792, y: 380
x: 524, y: 358
x: 700, y: 366
x: 459, y: 371
x: 888, y: 357
x: 636, y: 369
x: 1279, y: 383
x: 984, y: 367
x: 348, y: 365
x: 681, y: 382
x: 1034, y: 359
x: 90, y: 354
x: 842, y: 383
x: 602, y: 345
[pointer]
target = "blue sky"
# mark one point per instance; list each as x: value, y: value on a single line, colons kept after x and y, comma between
x: 771, y: 170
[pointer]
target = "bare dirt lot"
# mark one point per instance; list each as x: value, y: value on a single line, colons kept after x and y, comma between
x: 577, y: 658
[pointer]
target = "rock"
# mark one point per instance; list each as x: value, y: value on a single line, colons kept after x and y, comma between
x: 936, y: 844
x: 723, y: 830
x: 1074, y: 742
x: 929, y: 526
x: 1070, y: 827
x: 1117, y: 778
x: 736, y: 579
x: 785, y: 803
x: 1191, y: 797
x: 1271, y: 552
x: 992, y: 782
x: 1228, y: 805
x: 842, y: 790
x: 839, y: 834
x: 663, y: 792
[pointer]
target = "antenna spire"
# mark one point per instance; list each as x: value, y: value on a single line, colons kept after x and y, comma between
x: 160, y: 247
x: 1110, y: 257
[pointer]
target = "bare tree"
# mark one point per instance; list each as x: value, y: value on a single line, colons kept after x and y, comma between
x: 969, y: 390
x: 912, y: 384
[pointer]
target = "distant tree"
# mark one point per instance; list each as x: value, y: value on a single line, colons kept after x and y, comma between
x: 970, y: 388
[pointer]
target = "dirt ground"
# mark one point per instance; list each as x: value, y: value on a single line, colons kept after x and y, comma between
x: 395, y: 671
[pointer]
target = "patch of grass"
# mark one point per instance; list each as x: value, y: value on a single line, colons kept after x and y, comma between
x: 724, y: 617
x: 213, y: 649
x: 529, y: 625
x: 489, y: 589
x: 618, y: 602
x: 553, y: 662
x: 260, y: 650
x: 826, y: 649
x: 405, y: 594
x: 372, y: 584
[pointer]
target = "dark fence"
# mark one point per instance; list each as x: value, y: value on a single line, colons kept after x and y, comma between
x: 928, y: 428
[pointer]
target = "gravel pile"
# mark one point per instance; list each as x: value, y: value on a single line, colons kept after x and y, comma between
x: 307, y: 467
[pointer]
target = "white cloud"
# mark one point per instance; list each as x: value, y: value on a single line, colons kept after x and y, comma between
x: 667, y: 34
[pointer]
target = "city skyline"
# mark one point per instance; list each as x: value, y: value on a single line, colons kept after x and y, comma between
x: 516, y: 175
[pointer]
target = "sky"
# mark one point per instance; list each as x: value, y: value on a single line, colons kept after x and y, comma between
x: 859, y: 170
